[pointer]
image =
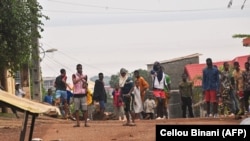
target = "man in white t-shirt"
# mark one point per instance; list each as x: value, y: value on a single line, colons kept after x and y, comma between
x: 18, y: 91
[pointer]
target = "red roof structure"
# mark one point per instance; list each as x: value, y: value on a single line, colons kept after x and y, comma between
x: 246, y: 42
x: 194, y: 71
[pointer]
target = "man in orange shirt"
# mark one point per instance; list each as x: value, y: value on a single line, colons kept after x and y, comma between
x: 143, y: 84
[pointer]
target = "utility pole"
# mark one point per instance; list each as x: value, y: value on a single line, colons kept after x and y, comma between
x: 36, y: 92
x: 36, y: 73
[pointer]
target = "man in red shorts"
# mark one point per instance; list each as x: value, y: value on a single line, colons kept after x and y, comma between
x: 210, y: 86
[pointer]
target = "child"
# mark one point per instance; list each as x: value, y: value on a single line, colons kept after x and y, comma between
x: 149, y: 106
x: 117, y: 102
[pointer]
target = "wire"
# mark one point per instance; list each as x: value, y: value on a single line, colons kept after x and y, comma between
x: 132, y: 10
x: 243, y: 4
x: 74, y: 59
x: 91, y: 66
x: 58, y: 62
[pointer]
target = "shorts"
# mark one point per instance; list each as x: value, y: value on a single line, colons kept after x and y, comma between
x: 210, y: 96
x: 240, y: 94
x: 159, y: 93
x: 80, y: 103
x: 128, y: 105
x: 61, y: 94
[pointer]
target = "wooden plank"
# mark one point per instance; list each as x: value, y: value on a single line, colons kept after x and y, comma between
x: 24, y: 104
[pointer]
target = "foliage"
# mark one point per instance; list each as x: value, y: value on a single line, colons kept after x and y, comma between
x: 114, y: 80
x: 106, y: 79
x: 241, y: 35
x: 19, y: 26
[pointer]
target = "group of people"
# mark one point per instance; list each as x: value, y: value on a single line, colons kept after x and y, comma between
x: 227, y: 88
x: 81, y: 96
x: 129, y: 95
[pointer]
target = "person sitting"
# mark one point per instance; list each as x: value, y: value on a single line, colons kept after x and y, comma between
x: 49, y: 98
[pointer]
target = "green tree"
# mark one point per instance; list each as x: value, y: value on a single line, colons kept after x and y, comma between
x: 114, y: 80
x: 241, y: 35
x: 17, y: 20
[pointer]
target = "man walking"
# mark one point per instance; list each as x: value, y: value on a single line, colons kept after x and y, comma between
x: 126, y: 85
x: 61, y: 93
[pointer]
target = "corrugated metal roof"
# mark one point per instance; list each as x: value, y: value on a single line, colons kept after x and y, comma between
x: 179, y: 58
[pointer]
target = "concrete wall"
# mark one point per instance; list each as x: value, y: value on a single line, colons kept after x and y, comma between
x: 174, y: 105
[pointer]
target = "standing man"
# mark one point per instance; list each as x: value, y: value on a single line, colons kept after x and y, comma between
x: 100, y: 93
x: 246, y: 79
x: 143, y: 85
x: 126, y: 85
x: 19, y: 93
x: 80, y: 95
x: 186, y: 91
x: 210, y: 86
x: 227, y: 82
x: 161, y: 88
x: 239, y: 87
x: 61, y: 92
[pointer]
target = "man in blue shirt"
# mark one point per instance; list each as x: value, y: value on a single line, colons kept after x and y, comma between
x: 210, y: 86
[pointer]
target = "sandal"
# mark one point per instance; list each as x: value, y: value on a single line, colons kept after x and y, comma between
x: 76, y: 125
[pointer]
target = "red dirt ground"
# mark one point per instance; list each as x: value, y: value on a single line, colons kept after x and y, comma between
x: 52, y: 129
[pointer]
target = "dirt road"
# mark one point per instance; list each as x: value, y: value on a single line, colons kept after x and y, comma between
x: 52, y: 129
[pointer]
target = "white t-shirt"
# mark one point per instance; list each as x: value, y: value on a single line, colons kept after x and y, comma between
x: 20, y: 93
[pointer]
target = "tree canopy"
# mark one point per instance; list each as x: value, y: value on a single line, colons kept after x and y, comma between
x: 20, y: 23
x: 241, y: 35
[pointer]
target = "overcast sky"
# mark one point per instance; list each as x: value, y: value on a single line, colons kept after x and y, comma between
x: 106, y: 35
